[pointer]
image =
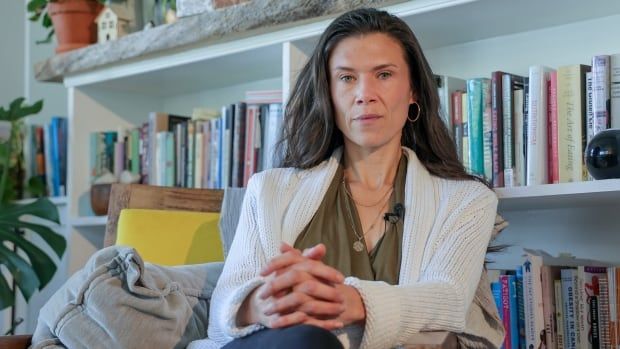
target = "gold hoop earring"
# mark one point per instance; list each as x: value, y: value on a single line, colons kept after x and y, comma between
x: 417, y: 116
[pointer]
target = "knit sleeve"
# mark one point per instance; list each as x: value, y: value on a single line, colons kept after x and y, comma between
x: 440, y: 297
x: 240, y: 274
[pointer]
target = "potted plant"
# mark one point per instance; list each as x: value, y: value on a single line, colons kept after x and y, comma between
x: 73, y: 21
x: 30, y: 267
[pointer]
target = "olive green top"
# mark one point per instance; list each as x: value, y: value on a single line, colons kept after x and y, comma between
x: 332, y: 225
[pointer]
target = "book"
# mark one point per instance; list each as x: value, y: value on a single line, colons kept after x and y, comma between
x: 475, y: 125
x: 519, y: 154
x: 552, y: 128
x: 446, y: 86
x: 571, y: 114
x: 559, y: 313
x: 536, y: 157
x: 238, y: 145
x: 568, y: 296
x: 614, y: 90
x: 497, y: 128
x: 600, y: 92
x: 465, y: 127
x: 510, y: 84
x: 159, y: 122
x: 457, y: 122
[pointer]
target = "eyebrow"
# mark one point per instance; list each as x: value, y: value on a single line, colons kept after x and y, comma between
x: 378, y: 67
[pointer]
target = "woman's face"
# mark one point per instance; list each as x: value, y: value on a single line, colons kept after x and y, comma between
x: 370, y: 89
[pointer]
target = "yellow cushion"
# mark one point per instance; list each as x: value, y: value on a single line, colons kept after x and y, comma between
x: 171, y: 237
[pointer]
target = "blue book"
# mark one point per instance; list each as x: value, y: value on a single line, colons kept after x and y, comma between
x: 568, y: 298
x: 521, y: 310
x: 474, y: 124
x: 514, y: 312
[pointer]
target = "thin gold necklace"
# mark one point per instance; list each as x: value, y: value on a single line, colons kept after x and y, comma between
x: 358, y: 245
x: 360, y: 204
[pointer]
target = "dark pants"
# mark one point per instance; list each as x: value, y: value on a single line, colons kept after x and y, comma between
x: 296, y: 337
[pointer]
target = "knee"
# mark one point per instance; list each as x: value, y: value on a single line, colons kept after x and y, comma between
x: 310, y: 337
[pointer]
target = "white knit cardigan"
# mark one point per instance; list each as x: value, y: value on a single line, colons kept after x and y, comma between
x: 447, y: 228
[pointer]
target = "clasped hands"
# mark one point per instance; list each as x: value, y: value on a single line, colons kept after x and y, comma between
x: 301, y: 289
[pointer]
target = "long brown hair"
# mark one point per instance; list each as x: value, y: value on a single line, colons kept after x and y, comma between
x: 310, y: 134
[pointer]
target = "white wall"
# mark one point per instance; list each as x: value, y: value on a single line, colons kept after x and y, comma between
x: 11, y: 51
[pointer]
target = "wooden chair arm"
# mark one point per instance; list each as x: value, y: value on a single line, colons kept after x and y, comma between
x: 21, y: 341
x: 432, y: 340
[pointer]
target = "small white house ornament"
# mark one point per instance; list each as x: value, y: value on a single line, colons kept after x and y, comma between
x: 107, y: 25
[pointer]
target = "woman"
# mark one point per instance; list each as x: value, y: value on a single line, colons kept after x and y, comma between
x: 393, y: 230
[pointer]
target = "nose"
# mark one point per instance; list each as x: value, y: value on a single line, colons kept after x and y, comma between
x: 366, y: 91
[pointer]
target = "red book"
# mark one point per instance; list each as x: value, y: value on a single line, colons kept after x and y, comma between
x: 505, y: 282
x: 552, y: 128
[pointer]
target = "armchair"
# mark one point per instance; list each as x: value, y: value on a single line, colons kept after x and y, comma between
x: 203, y: 200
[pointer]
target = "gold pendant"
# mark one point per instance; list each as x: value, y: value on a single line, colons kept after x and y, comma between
x: 358, y: 246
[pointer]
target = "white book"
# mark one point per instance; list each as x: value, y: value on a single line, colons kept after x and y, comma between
x: 446, y: 85
x: 537, y: 157
x: 272, y: 135
x: 600, y: 92
x: 198, y: 158
x: 615, y: 90
x: 589, y: 110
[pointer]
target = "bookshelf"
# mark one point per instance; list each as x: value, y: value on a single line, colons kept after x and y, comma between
x: 461, y: 38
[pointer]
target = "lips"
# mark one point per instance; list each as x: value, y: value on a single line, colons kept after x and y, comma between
x: 366, y: 117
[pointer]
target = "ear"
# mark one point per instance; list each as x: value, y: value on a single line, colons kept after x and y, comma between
x: 413, y: 97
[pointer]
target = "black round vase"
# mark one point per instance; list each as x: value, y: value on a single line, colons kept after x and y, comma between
x: 603, y: 154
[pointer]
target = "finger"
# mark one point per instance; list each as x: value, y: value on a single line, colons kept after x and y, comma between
x: 320, y: 270
x: 280, y: 283
x: 319, y: 290
x: 282, y: 261
x: 287, y: 303
x: 310, y: 278
x: 295, y: 318
x: 316, y: 252
x: 284, y: 247
x: 325, y: 324
x: 317, y: 308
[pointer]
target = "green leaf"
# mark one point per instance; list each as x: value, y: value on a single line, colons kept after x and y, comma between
x: 41, y: 263
x: 6, y: 294
x: 47, y: 21
x: 42, y: 208
x: 36, y: 186
x: 10, y: 215
x: 36, y: 5
x: 23, y: 110
x: 25, y: 278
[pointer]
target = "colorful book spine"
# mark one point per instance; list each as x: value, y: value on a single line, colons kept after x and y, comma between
x: 497, y: 128
x: 465, y: 125
x: 238, y: 147
x: 568, y: 298
x: 474, y: 123
x: 559, y: 314
x: 457, y: 122
x: 521, y: 309
x: 519, y: 154
x: 505, y: 310
x: 552, y: 125
x: 600, y: 92
x: 537, y: 126
x: 614, y: 90
x: 571, y: 118
x: 487, y: 130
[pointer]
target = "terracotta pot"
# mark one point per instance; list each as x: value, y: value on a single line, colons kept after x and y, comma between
x: 74, y: 22
x: 100, y: 198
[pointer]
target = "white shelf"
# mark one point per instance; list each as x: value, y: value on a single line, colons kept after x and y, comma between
x: 56, y: 200
x: 437, y: 23
x: 94, y: 221
x: 563, y: 195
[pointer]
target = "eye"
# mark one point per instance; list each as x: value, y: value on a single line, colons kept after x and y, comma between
x: 385, y: 74
x: 346, y: 78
